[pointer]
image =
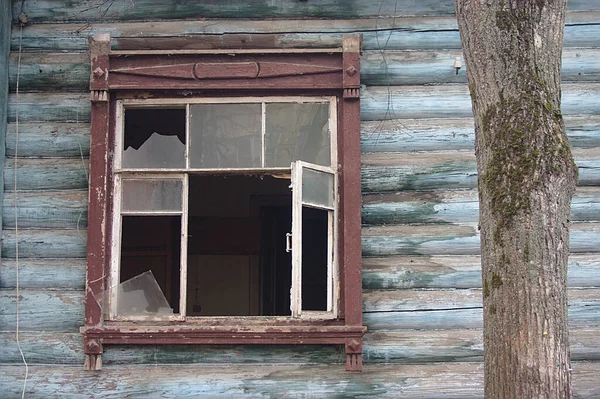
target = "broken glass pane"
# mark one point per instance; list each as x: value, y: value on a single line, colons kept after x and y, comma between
x: 225, y: 136
x: 151, y: 195
x: 154, y: 138
x: 317, y: 188
x: 297, y: 132
x: 138, y: 296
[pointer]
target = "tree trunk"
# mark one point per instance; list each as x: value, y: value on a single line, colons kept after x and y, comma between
x: 526, y: 180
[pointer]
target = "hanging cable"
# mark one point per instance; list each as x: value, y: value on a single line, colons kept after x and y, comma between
x: 22, y: 21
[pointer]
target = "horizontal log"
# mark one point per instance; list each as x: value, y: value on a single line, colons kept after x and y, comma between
x: 410, y: 347
x: 377, y: 103
x: 455, y: 309
x: 453, y: 101
x: 409, y: 33
x: 71, y: 140
x: 46, y: 174
x: 59, y: 311
x: 44, y: 243
x: 432, y: 381
x: 381, y: 173
x: 67, y: 348
x: 376, y: 241
x: 385, y: 68
x: 46, y: 209
x: 405, y: 240
x: 53, y: 274
x: 123, y: 10
x: 50, y: 107
x: 389, y: 273
x: 46, y: 139
x: 413, y: 300
x: 68, y: 209
x: 70, y: 71
x: 62, y: 311
x: 398, y: 347
x: 396, y: 172
x: 454, y: 206
x: 435, y: 272
x: 49, y: 71
x: 408, y: 135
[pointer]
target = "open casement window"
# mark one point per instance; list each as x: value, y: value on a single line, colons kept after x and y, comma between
x: 313, y: 195
x: 224, y: 198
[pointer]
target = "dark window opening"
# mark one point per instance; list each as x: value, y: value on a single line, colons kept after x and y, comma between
x: 152, y: 243
x: 314, y: 259
x: 154, y: 138
x: 237, y: 264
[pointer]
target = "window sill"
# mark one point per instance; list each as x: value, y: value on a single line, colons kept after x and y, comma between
x: 222, y: 334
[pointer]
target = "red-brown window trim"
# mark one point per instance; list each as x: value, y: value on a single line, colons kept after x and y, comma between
x: 334, y: 71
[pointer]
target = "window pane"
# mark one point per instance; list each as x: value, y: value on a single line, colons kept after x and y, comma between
x: 154, y: 138
x: 151, y: 195
x: 225, y: 136
x: 317, y: 188
x: 297, y: 132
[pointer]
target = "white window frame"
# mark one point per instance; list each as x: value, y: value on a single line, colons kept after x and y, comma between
x: 182, y: 174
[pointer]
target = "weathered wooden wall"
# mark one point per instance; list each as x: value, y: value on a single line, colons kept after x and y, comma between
x: 421, y: 276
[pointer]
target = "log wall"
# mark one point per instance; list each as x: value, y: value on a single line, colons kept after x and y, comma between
x: 421, y: 272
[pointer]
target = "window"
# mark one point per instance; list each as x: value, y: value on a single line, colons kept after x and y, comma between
x: 195, y: 184
x: 224, y: 198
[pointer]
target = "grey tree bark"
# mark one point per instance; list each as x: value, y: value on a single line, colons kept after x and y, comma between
x: 526, y: 181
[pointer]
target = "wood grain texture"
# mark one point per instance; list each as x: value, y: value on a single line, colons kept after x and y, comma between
x: 67, y: 348
x: 410, y: 33
x: 397, y: 347
x: 454, y: 206
x: 455, y: 309
x: 377, y: 241
x: 452, y: 101
x: 410, y: 347
x: 45, y: 243
x: 379, y: 68
x: 408, y: 135
x: 431, y: 381
x: 46, y: 209
x: 70, y: 71
x: 62, y: 310
x: 47, y: 107
x: 46, y: 174
x: 71, y: 140
x: 377, y: 103
x: 396, y: 172
x: 59, y: 311
x: 462, y: 239
x: 123, y: 10
x: 46, y: 139
x: 431, y: 272
x: 67, y: 209
x: 40, y: 274
x: 381, y: 172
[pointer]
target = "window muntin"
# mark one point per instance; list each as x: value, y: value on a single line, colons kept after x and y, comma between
x: 137, y: 184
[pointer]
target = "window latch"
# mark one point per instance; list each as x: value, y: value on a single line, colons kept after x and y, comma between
x: 288, y: 242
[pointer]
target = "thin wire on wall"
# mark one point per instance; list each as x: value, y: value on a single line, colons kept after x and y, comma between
x: 16, y: 157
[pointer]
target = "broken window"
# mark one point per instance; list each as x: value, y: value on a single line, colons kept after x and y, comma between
x: 224, y: 201
x: 230, y: 205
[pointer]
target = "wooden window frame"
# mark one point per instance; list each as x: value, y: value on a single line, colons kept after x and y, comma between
x: 238, y: 73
